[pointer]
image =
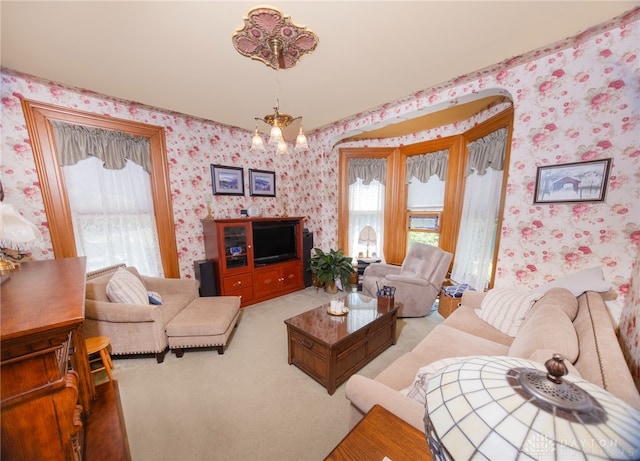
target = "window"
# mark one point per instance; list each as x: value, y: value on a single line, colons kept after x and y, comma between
x: 427, y: 210
x: 423, y: 228
x: 39, y: 118
x: 425, y: 202
x: 112, y: 215
x: 366, y: 208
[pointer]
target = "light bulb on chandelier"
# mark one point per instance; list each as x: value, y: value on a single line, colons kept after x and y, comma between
x: 256, y: 142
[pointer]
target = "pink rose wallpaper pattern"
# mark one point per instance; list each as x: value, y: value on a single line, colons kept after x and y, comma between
x: 575, y: 100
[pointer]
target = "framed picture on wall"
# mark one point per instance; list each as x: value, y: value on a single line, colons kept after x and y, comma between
x: 227, y: 180
x: 262, y: 182
x: 572, y: 182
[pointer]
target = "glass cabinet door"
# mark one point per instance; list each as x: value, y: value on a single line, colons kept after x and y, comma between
x: 235, y: 245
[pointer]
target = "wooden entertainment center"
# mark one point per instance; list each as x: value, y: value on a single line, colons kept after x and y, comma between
x: 229, y: 243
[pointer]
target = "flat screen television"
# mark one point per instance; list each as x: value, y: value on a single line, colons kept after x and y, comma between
x: 274, y: 242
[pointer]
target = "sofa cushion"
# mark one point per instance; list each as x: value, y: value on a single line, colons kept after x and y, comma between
x: 124, y: 287
x: 506, y: 308
x: 444, y: 341
x: 548, y: 327
x: 560, y: 298
x: 577, y: 283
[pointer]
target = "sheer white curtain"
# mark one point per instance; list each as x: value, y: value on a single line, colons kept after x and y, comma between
x: 112, y: 214
x: 479, y: 220
x: 366, y: 208
x: 478, y: 224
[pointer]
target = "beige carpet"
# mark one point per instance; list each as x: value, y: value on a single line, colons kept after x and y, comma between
x: 249, y: 403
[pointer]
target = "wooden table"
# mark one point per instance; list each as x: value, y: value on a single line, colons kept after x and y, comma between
x: 379, y: 434
x: 332, y: 348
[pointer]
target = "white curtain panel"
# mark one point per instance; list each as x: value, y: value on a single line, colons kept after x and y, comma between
x: 113, y: 217
x: 476, y: 239
x: 366, y: 208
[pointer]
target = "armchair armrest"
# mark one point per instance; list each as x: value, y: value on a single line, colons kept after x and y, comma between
x: 364, y: 393
x: 121, y: 312
x: 472, y: 298
x: 408, y: 280
x: 381, y: 270
x: 170, y: 286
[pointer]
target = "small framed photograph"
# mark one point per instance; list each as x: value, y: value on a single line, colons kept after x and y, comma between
x: 227, y: 180
x: 262, y: 183
x: 572, y: 182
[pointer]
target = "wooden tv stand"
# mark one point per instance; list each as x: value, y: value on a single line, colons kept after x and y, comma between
x: 229, y: 244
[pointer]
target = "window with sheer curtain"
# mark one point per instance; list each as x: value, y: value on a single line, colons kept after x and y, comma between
x: 106, y: 174
x: 478, y: 224
x: 366, y: 204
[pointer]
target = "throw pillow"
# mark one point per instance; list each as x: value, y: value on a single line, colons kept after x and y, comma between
x: 506, y: 308
x: 579, y: 282
x: 154, y: 297
x: 418, y: 389
x: 124, y: 287
x: 456, y: 291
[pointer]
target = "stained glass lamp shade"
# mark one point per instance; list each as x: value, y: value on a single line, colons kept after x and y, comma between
x: 505, y: 408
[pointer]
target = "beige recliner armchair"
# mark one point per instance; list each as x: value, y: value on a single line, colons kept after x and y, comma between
x: 418, y: 281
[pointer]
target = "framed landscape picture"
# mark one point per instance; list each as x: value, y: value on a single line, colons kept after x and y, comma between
x: 262, y: 182
x: 572, y: 182
x: 227, y: 180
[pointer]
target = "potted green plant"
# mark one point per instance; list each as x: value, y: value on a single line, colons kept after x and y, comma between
x: 331, y: 266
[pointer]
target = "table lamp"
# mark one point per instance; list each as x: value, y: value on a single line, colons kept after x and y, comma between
x: 16, y: 233
x: 367, y: 237
x: 506, y: 408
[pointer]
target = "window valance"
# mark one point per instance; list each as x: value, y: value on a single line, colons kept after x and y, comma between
x: 114, y: 148
x: 424, y: 166
x: 487, y: 152
x: 367, y: 169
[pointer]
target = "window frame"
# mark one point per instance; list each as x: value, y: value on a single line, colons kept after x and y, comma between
x: 38, y: 116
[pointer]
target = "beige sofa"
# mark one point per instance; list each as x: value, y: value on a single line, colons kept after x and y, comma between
x: 580, y: 328
x: 135, y: 329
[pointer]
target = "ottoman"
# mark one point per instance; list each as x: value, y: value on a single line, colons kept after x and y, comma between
x: 205, y: 322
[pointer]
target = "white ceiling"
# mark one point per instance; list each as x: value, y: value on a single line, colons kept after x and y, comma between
x: 178, y: 55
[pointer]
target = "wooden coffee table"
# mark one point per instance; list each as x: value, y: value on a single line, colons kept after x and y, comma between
x: 332, y: 348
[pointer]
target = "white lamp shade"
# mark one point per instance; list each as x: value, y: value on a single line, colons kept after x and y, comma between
x: 282, y: 148
x: 16, y: 232
x: 275, y: 137
x: 256, y: 142
x: 367, y: 236
x: 475, y: 412
x: 301, y: 141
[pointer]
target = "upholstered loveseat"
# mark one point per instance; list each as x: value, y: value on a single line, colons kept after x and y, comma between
x: 135, y: 328
x: 579, y: 328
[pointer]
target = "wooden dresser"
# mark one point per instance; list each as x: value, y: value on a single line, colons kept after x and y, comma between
x: 47, y: 390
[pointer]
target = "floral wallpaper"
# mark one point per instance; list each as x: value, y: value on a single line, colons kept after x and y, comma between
x: 575, y: 100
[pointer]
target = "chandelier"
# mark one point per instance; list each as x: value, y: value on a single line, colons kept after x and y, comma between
x: 272, y: 38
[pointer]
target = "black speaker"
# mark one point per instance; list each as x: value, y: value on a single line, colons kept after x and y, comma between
x: 206, y: 274
x: 307, y: 246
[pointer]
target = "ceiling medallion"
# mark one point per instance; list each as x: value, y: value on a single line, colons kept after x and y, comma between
x: 272, y: 38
